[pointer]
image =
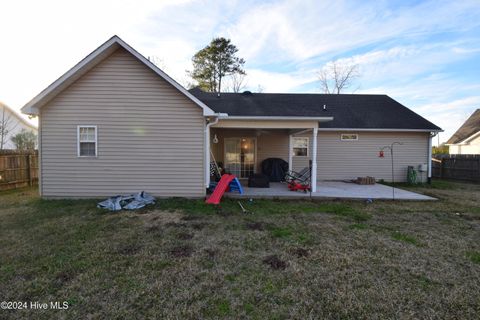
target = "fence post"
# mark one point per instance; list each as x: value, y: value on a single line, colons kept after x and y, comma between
x: 441, y: 168
x: 29, y: 171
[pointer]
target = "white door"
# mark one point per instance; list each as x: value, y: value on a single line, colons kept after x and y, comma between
x: 240, y: 156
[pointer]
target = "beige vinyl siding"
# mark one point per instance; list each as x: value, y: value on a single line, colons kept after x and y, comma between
x: 150, y: 136
x: 336, y: 159
x: 341, y: 160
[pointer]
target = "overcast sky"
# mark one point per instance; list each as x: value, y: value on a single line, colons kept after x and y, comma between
x: 425, y: 54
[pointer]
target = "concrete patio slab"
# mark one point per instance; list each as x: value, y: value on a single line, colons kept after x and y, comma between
x: 331, y: 189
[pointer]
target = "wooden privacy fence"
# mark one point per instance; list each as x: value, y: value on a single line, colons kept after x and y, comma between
x: 458, y: 167
x: 18, y: 169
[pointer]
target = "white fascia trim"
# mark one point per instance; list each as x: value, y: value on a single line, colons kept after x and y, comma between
x: 277, y: 118
x: 378, y: 130
x: 473, y: 136
x: 35, y: 104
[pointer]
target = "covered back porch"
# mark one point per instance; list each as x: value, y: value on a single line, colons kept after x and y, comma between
x: 240, y: 146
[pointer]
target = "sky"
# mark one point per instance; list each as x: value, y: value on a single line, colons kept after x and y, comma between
x: 424, y: 54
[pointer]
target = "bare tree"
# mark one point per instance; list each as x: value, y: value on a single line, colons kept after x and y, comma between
x: 260, y: 88
x: 237, y: 82
x: 336, y: 76
x: 7, y: 125
x: 157, y: 61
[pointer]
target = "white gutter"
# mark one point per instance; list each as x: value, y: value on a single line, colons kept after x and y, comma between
x: 279, y: 118
x: 207, y: 151
x: 465, y: 141
x: 378, y: 130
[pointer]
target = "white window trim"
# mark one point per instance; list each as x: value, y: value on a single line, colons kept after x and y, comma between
x: 349, y: 134
x: 78, y: 141
x: 308, y: 147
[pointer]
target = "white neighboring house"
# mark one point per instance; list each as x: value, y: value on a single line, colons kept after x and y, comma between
x: 467, y: 138
x: 11, y: 123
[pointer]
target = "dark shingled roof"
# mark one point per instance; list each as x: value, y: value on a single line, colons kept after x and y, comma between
x: 357, y: 111
x: 470, y: 127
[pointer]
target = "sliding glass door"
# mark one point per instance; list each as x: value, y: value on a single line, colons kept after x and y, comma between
x: 240, y: 156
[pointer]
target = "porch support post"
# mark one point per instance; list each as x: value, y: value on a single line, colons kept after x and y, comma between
x: 314, y: 160
x: 208, y: 124
x: 290, y: 153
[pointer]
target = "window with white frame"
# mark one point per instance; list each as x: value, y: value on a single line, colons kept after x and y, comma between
x: 87, y: 141
x: 349, y: 137
x: 300, y: 146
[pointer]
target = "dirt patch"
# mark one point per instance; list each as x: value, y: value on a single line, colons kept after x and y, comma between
x: 198, y: 225
x: 300, y: 252
x: 191, y: 218
x: 184, y: 236
x: 64, y: 277
x: 470, y: 217
x: 153, y: 229
x: 211, y: 253
x: 258, y: 226
x: 175, y: 225
x: 275, y: 263
x: 181, y: 251
x: 161, y: 217
x: 128, y: 249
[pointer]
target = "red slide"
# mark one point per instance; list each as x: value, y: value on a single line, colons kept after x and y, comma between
x: 220, y: 189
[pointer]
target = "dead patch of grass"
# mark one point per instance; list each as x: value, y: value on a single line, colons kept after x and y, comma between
x: 257, y: 226
x: 128, y: 248
x: 198, y: 225
x: 181, y: 251
x: 184, y: 236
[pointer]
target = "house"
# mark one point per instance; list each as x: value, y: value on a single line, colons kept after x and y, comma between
x: 466, y: 140
x: 11, y: 123
x: 115, y: 123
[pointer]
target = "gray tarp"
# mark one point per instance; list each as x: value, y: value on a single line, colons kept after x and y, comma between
x: 131, y: 202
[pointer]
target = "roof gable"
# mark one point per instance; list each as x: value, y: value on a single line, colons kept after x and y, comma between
x: 91, y: 61
x: 469, y: 128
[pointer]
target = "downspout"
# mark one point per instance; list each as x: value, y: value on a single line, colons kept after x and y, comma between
x: 207, y: 150
x: 429, y: 171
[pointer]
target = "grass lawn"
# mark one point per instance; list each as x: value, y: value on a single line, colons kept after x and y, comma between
x: 289, y: 259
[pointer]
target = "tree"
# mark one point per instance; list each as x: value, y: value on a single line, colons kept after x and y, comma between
x: 237, y: 81
x: 214, y: 62
x: 25, y: 140
x: 337, y: 76
x: 7, y: 125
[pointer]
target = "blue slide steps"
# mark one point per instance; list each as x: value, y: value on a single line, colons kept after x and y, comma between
x: 233, y: 186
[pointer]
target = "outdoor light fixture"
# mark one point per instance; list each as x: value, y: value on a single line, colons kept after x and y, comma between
x: 215, y: 139
x: 382, y: 155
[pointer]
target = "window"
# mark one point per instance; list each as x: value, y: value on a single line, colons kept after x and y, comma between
x: 87, y: 141
x: 349, y: 137
x: 300, y: 146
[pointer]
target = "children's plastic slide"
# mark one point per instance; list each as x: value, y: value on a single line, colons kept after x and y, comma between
x: 221, y: 187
